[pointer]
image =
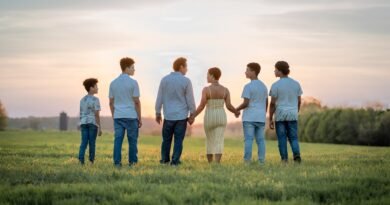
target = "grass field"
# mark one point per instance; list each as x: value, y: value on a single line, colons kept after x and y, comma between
x: 42, y: 168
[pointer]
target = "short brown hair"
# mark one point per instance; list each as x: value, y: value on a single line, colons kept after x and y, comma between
x: 179, y: 62
x: 126, y: 62
x: 254, y: 67
x: 283, y: 67
x: 89, y: 83
x: 215, y: 72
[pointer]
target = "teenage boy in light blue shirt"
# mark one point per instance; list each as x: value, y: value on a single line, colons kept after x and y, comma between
x: 125, y: 108
x: 255, y: 106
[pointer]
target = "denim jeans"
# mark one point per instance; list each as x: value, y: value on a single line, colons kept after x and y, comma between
x: 88, y: 136
x: 120, y: 126
x: 287, y: 130
x: 254, y: 130
x: 176, y: 129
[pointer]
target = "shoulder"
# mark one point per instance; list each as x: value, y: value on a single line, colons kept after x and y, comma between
x: 261, y: 85
x: 165, y: 78
x: 275, y: 84
x: 133, y: 81
x: 94, y: 98
x: 113, y: 82
x: 82, y: 99
x: 248, y: 85
x: 186, y: 79
x: 295, y: 82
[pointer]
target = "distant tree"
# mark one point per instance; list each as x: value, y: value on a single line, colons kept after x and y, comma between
x: 35, y: 123
x: 376, y: 105
x: 3, y: 117
x: 311, y: 127
x: 382, y: 133
x: 368, y: 126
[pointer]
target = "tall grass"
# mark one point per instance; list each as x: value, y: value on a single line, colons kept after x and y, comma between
x: 42, y: 168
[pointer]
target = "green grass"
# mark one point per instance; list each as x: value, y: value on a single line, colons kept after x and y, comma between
x: 42, y: 168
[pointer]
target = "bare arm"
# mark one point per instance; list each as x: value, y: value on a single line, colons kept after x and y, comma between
x: 202, y: 103
x: 266, y: 105
x: 228, y: 103
x: 112, y: 107
x: 271, y: 112
x: 299, y: 103
x: 137, y: 104
x: 97, y: 117
x: 243, y: 105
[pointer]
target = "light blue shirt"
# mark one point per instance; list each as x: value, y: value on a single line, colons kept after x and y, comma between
x: 286, y: 91
x: 175, y: 96
x: 257, y: 94
x: 89, y: 104
x: 123, y: 89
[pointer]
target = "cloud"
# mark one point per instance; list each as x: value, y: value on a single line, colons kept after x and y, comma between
x: 369, y: 20
x: 76, y: 4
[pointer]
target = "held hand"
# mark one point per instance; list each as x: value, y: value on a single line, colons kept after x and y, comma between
x: 191, y: 120
x: 139, y: 123
x: 158, y: 119
x: 271, y: 125
x: 100, y: 132
x: 237, y: 114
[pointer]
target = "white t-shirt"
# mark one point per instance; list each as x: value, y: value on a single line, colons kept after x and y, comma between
x: 123, y: 89
x: 256, y: 92
x: 286, y: 91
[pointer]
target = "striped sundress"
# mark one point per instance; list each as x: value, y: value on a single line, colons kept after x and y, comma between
x: 214, y: 125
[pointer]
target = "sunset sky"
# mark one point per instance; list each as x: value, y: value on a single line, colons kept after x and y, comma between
x: 339, y: 50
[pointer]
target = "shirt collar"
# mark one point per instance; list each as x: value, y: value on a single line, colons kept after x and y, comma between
x: 176, y: 73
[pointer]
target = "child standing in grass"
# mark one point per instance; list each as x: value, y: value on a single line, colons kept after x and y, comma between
x: 89, y: 120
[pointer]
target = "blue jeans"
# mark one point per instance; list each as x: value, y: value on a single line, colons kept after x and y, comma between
x: 287, y: 130
x: 88, y: 136
x: 176, y: 128
x: 254, y: 130
x: 131, y: 126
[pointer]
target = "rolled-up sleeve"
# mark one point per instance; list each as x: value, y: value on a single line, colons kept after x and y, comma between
x: 159, y: 100
x: 190, y: 97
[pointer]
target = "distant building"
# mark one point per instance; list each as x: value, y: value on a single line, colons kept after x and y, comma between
x: 63, y: 121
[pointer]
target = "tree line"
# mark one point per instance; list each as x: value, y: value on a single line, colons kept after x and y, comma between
x: 363, y: 126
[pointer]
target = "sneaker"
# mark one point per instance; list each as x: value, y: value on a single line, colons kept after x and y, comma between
x: 164, y: 162
x: 131, y: 164
x: 297, y: 159
x: 175, y: 163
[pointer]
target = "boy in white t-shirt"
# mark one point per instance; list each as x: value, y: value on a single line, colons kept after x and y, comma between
x: 255, y: 105
x: 285, y: 104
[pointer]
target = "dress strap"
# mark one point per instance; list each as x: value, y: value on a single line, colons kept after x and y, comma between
x: 209, y: 92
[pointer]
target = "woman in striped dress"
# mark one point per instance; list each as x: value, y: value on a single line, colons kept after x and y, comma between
x: 213, y: 98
